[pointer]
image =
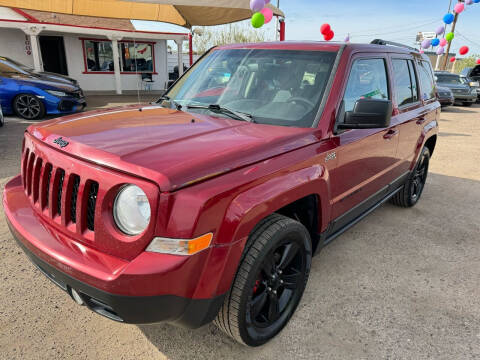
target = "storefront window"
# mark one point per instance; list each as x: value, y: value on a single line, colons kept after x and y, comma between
x: 135, y: 57
x: 99, y: 55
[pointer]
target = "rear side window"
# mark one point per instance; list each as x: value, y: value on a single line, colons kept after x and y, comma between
x: 427, y: 83
x: 367, y: 80
x: 405, y: 82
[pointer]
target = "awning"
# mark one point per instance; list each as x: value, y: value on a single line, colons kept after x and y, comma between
x: 185, y: 13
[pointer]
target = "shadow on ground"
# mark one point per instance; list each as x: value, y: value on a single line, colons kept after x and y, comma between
x: 403, y: 283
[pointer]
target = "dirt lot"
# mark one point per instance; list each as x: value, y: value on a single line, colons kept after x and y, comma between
x: 402, y: 284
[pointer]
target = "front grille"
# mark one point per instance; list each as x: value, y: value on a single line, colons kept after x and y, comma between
x: 52, y: 188
x: 92, y: 201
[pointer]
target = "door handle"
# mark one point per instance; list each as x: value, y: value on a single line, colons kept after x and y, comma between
x: 390, y: 134
x: 420, y: 121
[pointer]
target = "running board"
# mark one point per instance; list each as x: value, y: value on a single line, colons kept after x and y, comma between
x: 339, y: 232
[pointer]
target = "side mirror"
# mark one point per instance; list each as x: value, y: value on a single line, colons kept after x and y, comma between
x: 368, y: 114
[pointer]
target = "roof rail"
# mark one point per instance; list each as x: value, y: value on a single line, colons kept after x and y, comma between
x: 386, y: 42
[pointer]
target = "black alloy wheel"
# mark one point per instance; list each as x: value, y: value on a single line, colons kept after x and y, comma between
x: 269, y: 283
x: 28, y: 107
x: 409, y: 195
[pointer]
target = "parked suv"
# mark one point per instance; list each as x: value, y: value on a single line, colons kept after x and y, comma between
x: 210, y: 204
x: 464, y: 94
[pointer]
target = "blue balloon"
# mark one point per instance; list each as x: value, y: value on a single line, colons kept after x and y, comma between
x: 476, y: 1
x: 435, y: 42
x: 448, y: 19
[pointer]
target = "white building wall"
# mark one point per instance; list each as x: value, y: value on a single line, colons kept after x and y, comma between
x: 173, y: 60
x: 106, y: 82
x: 12, y: 45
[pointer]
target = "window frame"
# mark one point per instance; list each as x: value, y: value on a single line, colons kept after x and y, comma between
x: 415, y: 70
x: 432, y: 73
x: 86, y: 71
x: 373, y: 56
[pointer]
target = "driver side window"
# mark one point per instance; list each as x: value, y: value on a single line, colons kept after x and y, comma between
x: 367, y: 80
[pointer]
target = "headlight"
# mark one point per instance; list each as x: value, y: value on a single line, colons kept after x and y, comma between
x: 57, y: 93
x: 131, y: 210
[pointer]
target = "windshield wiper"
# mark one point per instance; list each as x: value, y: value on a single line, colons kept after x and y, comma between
x: 167, y: 98
x: 226, y: 111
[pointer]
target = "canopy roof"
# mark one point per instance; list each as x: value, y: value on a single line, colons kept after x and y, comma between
x: 185, y: 13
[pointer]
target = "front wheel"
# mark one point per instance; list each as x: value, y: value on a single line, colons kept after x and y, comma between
x: 467, y: 104
x: 28, y: 106
x: 409, y: 195
x: 269, y: 282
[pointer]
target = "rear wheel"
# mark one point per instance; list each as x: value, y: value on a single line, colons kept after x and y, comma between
x: 409, y: 195
x: 467, y: 104
x: 269, y: 282
x: 28, y: 107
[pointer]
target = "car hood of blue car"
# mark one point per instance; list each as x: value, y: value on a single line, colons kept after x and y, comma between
x: 45, y: 83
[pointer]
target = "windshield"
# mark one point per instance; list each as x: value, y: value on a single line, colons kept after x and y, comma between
x: 449, y: 79
x: 279, y: 87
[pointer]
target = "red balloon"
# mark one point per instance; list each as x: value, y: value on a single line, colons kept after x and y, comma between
x: 478, y: 61
x: 325, y: 29
x: 329, y: 36
x: 463, y: 50
x: 453, y: 59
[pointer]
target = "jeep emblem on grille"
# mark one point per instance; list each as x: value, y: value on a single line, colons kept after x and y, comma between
x: 60, y: 142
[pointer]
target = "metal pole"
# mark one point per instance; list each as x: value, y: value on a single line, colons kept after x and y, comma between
x: 277, y: 26
x: 450, y: 42
x: 190, y: 48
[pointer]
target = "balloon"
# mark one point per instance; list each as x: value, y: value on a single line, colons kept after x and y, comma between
x: 440, y: 30
x: 478, y: 60
x: 448, y: 19
x: 325, y: 29
x: 258, y: 20
x: 443, y: 42
x: 347, y: 38
x: 257, y: 5
x: 476, y: 1
x: 469, y: 2
x: 267, y: 2
x: 422, y: 52
x: 435, y: 42
x: 453, y: 59
x: 449, y: 36
x: 426, y: 43
x: 329, y: 36
x: 268, y: 14
x: 463, y: 50
x: 459, y: 8
x: 440, y: 50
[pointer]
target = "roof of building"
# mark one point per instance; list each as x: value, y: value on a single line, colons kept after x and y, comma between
x: 78, y: 20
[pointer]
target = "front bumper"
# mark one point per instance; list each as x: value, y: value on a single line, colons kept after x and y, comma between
x: 148, y: 289
x: 446, y: 100
x: 465, y: 98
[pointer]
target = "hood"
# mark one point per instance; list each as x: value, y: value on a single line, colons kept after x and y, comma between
x: 44, y: 82
x: 171, y: 147
x: 48, y: 76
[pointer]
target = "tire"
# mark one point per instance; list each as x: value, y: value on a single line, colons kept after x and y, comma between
x: 2, y: 120
x: 267, y: 288
x: 28, y: 107
x: 467, y: 104
x: 411, y: 192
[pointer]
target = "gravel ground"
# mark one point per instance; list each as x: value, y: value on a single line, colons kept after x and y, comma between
x: 402, y: 284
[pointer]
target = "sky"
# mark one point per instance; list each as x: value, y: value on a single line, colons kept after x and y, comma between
x: 366, y: 20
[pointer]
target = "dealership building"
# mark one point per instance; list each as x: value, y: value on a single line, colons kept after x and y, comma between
x: 102, y: 54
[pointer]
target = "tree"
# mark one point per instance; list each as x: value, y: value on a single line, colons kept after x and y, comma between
x: 466, y: 62
x: 227, y: 34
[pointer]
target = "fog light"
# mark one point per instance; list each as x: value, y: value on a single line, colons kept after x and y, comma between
x: 76, y: 296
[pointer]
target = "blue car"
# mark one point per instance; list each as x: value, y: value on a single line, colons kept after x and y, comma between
x: 32, y: 95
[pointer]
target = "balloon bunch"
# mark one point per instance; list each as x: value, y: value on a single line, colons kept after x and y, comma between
x: 261, y: 13
x: 327, y: 32
x: 447, y: 37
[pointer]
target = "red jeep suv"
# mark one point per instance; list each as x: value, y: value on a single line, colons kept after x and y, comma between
x: 209, y: 204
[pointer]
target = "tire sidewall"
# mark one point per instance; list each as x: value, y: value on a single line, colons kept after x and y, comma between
x: 425, y: 152
x: 294, y: 231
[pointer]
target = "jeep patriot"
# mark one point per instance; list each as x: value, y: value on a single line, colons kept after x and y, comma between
x: 209, y: 204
